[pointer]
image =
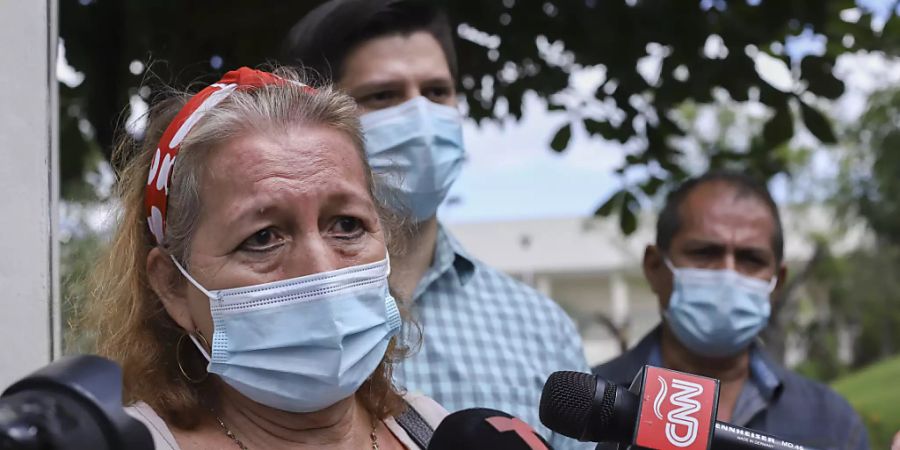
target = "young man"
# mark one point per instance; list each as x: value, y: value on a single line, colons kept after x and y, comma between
x: 487, y: 340
x: 716, y: 265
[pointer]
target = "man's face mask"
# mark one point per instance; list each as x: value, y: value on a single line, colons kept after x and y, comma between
x: 418, y: 147
x: 717, y: 313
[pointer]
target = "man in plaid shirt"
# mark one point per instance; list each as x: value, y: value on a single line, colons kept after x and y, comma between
x: 487, y: 339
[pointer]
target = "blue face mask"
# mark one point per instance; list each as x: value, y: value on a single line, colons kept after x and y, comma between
x: 418, y: 147
x: 306, y: 343
x: 717, y: 313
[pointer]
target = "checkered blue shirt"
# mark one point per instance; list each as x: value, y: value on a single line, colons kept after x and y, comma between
x: 488, y: 340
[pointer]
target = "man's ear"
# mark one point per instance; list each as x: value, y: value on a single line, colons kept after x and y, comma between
x: 657, y: 274
x: 165, y: 280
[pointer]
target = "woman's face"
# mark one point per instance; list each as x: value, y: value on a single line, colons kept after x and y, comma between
x: 278, y: 206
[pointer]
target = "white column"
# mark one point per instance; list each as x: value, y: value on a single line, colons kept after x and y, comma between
x: 544, y: 285
x: 618, y: 294
x: 29, y: 295
x: 527, y: 277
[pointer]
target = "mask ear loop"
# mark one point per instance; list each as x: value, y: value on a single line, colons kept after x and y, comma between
x: 178, y: 357
x: 192, y: 280
x: 203, y: 290
x: 669, y: 264
x: 199, y: 346
x: 772, y: 283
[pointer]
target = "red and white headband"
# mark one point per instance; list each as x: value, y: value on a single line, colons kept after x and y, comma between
x: 157, y: 193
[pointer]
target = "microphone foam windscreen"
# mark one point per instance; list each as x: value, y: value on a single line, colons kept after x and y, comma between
x: 566, y: 402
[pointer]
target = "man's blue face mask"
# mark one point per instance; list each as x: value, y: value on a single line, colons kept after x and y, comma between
x: 418, y: 147
x: 717, y: 313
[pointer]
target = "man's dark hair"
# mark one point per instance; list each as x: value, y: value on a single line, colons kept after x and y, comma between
x: 323, y: 38
x: 669, y: 221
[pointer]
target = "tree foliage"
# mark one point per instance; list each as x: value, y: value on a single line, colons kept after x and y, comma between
x: 506, y: 48
x: 861, y: 289
x: 871, y: 172
x: 852, y: 297
x: 847, y: 298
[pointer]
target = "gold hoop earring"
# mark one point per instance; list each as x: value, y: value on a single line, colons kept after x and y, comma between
x: 178, y: 359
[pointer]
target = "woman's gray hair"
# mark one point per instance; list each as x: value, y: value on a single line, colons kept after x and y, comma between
x: 126, y: 317
x: 269, y: 109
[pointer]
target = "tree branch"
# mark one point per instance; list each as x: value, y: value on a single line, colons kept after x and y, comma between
x: 618, y: 331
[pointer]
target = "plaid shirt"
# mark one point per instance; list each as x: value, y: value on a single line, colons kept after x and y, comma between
x: 488, y: 340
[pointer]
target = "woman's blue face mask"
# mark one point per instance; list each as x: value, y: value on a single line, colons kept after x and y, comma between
x: 305, y: 343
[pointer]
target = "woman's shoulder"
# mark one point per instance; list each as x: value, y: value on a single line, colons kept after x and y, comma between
x: 430, y: 410
x: 162, y: 436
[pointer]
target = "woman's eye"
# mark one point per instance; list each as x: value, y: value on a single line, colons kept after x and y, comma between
x: 262, y: 240
x: 348, y: 227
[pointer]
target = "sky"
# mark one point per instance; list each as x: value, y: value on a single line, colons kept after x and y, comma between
x: 511, y: 173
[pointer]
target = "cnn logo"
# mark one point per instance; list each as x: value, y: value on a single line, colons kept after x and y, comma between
x: 677, y: 410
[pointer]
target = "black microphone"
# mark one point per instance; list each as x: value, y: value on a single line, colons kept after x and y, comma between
x: 588, y: 408
x: 73, y: 403
x: 485, y: 429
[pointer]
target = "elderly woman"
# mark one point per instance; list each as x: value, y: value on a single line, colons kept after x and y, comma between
x: 245, y: 292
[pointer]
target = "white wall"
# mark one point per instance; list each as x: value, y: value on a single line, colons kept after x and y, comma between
x: 29, y: 312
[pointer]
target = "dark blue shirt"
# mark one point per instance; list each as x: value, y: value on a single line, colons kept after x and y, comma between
x: 774, y: 400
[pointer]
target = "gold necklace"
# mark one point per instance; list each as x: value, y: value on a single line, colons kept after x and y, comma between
x: 373, y: 434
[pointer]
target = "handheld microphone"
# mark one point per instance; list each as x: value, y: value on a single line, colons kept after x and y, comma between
x: 671, y: 411
x: 485, y: 429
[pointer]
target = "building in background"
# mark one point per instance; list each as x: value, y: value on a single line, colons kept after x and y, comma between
x: 594, y: 272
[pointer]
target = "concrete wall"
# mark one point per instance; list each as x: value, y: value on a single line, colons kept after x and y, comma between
x: 29, y: 312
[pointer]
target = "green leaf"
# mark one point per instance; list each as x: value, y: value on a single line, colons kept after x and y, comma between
x: 597, y: 127
x: 561, y: 139
x: 780, y: 127
x: 555, y: 107
x: 819, y: 73
x: 817, y: 124
x: 610, y: 204
x: 652, y: 185
x: 627, y: 214
x: 771, y: 96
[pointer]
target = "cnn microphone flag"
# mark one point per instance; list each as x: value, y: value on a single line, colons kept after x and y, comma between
x: 677, y: 410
